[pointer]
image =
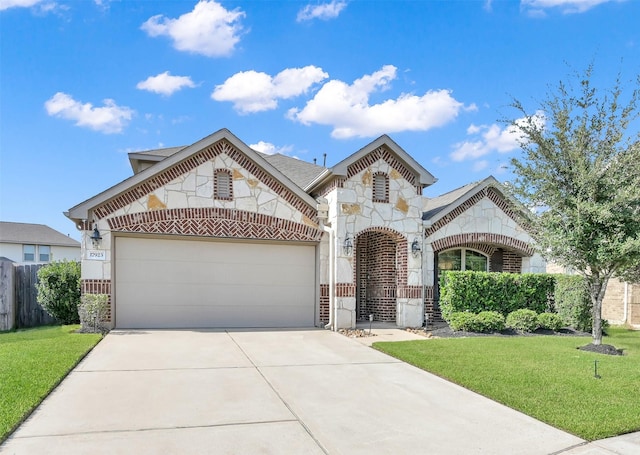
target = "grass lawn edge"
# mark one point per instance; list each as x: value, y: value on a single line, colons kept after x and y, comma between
x: 51, y: 390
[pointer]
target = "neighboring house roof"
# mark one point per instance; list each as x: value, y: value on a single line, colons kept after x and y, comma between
x: 440, y: 206
x: 81, y: 211
x: 33, y: 234
x: 151, y: 156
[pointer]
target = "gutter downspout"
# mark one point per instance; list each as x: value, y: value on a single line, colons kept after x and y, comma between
x: 332, y: 279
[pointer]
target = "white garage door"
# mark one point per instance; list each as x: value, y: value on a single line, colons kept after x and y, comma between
x: 161, y: 283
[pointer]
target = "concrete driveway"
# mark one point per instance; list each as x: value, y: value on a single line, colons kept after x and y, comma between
x: 269, y: 392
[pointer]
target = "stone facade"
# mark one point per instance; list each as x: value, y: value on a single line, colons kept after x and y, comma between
x: 376, y: 247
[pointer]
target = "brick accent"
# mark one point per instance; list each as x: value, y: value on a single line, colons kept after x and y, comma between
x: 98, y: 287
x: 215, y: 222
x: 192, y: 162
x: 483, y: 238
x: 324, y: 303
x: 381, y: 273
x: 430, y: 305
x: 381, y: 153
x: 385, y: 197
x: 511, y: 262
x: 334, y: 183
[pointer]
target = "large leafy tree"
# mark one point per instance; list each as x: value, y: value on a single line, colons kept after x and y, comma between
x: 580, y: 175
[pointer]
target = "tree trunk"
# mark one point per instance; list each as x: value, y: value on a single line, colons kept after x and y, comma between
x: 598, y: 287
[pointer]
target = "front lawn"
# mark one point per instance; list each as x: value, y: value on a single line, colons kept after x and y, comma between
x: 32, y: 363
x: 545, y: 377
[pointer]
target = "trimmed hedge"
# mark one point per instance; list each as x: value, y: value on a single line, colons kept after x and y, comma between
x: 484, y: 322
x: 501, y: 292
x: 523, y: 319
x: 573, y: 302
x: 551, y: 321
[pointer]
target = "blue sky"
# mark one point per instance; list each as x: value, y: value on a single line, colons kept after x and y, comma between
x: 83, y: 83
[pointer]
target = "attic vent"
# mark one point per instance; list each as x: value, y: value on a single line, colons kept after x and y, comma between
x: 380, y: 187
x: 223, y: 186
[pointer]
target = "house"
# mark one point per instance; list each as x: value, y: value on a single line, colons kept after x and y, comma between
x: 215, y: 234
x: 25, y: 243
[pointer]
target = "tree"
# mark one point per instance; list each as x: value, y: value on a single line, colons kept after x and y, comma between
x: 580, y: 174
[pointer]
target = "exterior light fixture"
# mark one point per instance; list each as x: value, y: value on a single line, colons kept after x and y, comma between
x: 415, y: 248
x: 347, y: 246
x: 95, y: 237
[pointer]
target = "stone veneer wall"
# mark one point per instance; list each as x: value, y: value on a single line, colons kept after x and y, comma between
x: 181, y: 201
x: 353, y: 212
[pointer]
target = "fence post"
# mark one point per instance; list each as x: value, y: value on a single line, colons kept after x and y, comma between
x: 7, y: 295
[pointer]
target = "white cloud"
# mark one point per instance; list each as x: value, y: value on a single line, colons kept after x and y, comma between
x: 480, y: 165
x: 324, y: 11
x: 271, y: 149
x: 346, y: 108
x: 209, y: 29
x: 493, y: 139
x: 165, y: 84
x: 537, y: 7
x: 6, y: 4
x: 252, y: 91
x: 108, y: 119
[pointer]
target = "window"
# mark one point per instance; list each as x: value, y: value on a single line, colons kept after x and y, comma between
x: 44, y: 253
x: 380, y: 187
x: 223, y: 185
x: 463, y: 259
x: 28, y: 253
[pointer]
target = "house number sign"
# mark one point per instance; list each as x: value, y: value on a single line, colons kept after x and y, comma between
x: 96, y: 255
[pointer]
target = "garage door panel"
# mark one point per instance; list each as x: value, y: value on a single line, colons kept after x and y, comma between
x: 179, y: 283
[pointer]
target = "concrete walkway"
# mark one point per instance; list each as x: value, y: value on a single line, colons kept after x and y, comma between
x: 273, y: 392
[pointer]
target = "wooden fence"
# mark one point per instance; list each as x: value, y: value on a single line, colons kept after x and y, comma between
x: 19, y: 306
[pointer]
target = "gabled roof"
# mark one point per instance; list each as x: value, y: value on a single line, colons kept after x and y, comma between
x: 151, y: 156
x: 300, y: 172
x: 81, y: 211
x: 33, y: 234
x: 439, y: 206
x: 424, y: 177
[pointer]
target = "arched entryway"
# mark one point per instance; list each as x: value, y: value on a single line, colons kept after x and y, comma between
x: 378, y: 267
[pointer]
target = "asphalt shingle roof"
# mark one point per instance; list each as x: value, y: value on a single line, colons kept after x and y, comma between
x: 439, y: 203
x: 37, y: 234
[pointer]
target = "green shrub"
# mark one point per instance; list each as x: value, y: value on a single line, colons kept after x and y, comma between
x: 523, y: 319
x: 93, y: 310
x: 489, y: 321
x: 551, y: 321
x: 573, y: 302
x: 501, y: 292
x: 463, y: 320
x: 59, y: 290
x: 483, y: 322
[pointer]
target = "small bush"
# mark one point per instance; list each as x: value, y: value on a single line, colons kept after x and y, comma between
x: 551, y: 321
x: 484, y: 322
x: 573, y: 302
x: 462, y: 320
x: 93, y: 310
x: 489, y: 321
x: 59, y: 290
x: 524, y: 320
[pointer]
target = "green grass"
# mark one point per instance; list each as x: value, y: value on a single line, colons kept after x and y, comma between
x: 545, y: 377
x: 32, y: 363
